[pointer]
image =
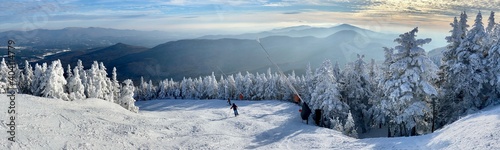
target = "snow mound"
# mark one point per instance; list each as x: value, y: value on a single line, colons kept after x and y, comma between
x: 209, y: 124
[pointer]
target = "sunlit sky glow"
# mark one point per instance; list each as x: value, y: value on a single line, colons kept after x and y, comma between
x: 239, y: 16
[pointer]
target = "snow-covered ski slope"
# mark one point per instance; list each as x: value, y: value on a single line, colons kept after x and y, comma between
x: 209, y: 124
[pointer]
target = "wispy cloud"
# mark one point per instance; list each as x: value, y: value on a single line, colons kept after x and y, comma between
x: 292, y: 12
x: 241, y: 15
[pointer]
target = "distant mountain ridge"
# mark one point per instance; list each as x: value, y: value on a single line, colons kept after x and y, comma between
x: 76, y: 38
x: 103, y: 54
x: 301, y: 31
x: 201, y: 57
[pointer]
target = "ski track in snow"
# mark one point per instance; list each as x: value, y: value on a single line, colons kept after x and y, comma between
x: 209, y: 124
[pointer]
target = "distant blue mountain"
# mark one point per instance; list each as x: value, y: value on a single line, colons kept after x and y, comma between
x: 291, y: 48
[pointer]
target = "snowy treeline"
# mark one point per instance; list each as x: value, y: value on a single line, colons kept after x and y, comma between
x: 469, y: 74
x: 50, y: 80
x: 259, y: 86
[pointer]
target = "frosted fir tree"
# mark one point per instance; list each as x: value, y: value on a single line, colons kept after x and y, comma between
x: 75, y: 87
x: 187, y: 88
x: 173, y: 88
x: 93, y: 75
x: 27, y: 81
x: 357, y: 91
x: 151, y: 91
x: 336, y: 124
x: 126, y: 99
x: 469, y: 71
x: 231, y: 89
x: 493, y: 66
x: 326, y: 95
x: 450, y: 53
x: 199, y: 88
x: 408, y: 85
x: 115, y: 86
x: 69, y: 73
x: 380, y: 107
x: 309, y: 84
x: 104, y: 84
x: 491, y: 23
x: 55, y: 82
x: 38, y: 76
x: 463, y: 25
x: 490, y: 38
x: 337, y: 72
x: 447, y: 79
x: 247, y: 85
x: 270, y: 87
x: 349, y: 127
x: 373, y: 72
x: 259, y: 87
x: 211, y: 86
x: 83, y: 76
x: 222, y: 87
x: 163, y: 89
x: 4, y: 74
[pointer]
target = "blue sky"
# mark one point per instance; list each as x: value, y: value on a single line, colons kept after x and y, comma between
x: 238, y: 16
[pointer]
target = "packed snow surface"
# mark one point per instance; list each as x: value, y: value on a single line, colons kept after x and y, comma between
x: 44, y: 123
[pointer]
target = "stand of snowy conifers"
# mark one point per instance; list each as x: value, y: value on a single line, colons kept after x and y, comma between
x: 49, y: 80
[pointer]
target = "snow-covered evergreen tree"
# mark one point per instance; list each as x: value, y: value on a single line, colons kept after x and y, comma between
x: 380, y: 107
x: 55, y: 82
x: 38, y: 79
x: 468, y: 73
x: 493, y: 66
x: 76, y: 91
x: 4, y: 74
x: 231, y: 90
x: 93, y: 78
x: 187, y: 88
x: 463, y: 25
x: 357, y: 91
x: 211, y: 86
x: 270, y: 87
x: 126, y: 99
x: 349, y: 127
x: 408, y: 85
x: 114, y: 86
x: 103, y: 85
x: 309, y: 84
x: 337, y: 72
x: 27, y: 79
x: 259, y: 87
x: 491, y: 23
x: 151, y: 92
x: 326, y: 96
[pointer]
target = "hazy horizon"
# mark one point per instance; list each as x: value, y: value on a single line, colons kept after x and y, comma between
x: 192, y: 18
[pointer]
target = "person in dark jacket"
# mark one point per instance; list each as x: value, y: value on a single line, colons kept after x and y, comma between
x: 229, y: 101
x: 235, y: 108
x: 306, y: 111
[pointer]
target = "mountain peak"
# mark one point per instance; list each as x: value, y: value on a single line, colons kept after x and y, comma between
x: 345, y: 25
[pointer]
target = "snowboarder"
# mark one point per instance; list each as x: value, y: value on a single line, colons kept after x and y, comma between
x: 235, y: 108
x: 229, y: 101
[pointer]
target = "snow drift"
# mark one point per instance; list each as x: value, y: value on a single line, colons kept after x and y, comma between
x: 44, y: 123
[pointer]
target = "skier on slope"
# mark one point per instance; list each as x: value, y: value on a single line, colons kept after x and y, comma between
x: 229, y: 101
x: 235, y: 108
